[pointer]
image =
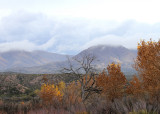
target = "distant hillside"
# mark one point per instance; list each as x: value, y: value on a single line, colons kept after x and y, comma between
x: 104, y: 55
x: 17, y: 59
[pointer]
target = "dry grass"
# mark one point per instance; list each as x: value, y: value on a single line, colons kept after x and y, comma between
x: 98, y: 105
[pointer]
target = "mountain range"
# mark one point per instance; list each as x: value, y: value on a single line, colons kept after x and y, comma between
x: 19, y: 58
x: 45, y: 62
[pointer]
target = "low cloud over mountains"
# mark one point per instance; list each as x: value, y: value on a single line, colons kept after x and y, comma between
x: 36, y: 31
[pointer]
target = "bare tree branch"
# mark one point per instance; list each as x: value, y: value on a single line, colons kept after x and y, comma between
x: 82, y: 67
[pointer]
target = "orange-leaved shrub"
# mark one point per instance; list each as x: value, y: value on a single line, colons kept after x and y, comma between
x: 112, y: 83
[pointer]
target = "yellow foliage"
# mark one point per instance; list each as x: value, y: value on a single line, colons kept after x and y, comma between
x: 61, y: 86
x: 147, y: 64
x: 49, y: 92
x: 138, y: 47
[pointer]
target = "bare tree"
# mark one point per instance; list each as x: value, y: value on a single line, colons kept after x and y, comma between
x: 82, y: 67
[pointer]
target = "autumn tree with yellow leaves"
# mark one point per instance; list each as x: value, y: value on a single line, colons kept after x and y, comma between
x: 112, y: 83
x: 147, y: 64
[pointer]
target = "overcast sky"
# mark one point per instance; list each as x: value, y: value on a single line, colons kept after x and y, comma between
x: 69, y: 26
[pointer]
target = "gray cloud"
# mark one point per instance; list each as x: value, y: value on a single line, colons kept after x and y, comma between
x: 33, y: 31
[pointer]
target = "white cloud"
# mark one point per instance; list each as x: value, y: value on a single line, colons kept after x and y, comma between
x: 36, y: 31
x: 25, y: 45
x: 106, y: 40
x: 127, y: 40
x: 18, y: 45
x: 48, y: 44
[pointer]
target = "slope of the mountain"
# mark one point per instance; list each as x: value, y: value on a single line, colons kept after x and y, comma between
x: 17, y: 58
x: 104, y: 55
x: 107, y: 54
